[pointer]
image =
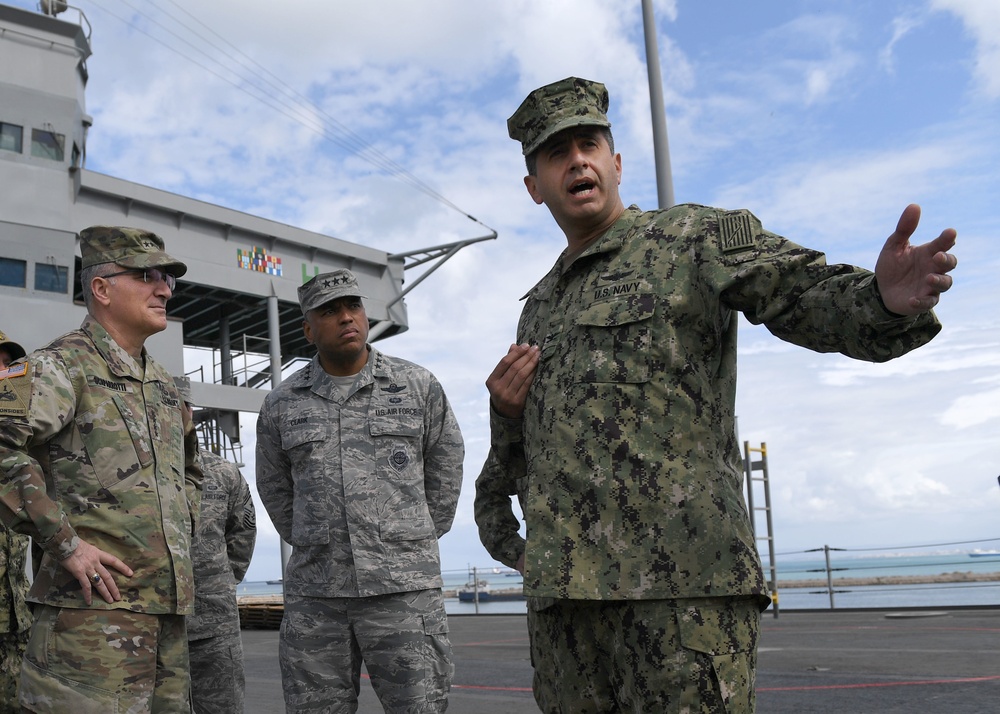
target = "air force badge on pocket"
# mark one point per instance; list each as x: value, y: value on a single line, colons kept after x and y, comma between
x: 398, y: 457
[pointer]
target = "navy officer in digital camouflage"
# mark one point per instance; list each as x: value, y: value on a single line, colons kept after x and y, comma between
x: 359, y: 465
x: 612, y: 418
x: 98, y: 465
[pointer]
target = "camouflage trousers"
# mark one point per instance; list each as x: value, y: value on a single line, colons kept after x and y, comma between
x: 100, y: 661
x: 218, y: 684
x: 12, y: 646
x: 694, y: 656
x: 402, y: 639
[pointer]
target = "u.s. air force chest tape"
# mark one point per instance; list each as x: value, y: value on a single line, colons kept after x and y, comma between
x: 15, y: 390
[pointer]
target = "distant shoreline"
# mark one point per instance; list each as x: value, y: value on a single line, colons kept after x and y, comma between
x: 940, y: 578
x: 956, y: 577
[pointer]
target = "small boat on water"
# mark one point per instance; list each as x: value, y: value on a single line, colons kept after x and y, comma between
x: 985, y: 554
x: 482, y: 591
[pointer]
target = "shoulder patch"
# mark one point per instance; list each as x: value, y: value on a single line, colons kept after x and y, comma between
x: 15, y: 390
x: 735, y: 232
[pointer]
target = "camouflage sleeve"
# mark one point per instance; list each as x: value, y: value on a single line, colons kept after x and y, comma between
x: 444, y: 453
x: 803, y: 300
x: 241, y: 525
x: 503, y: 476
x: 274, y: 473
x: 25, y: 506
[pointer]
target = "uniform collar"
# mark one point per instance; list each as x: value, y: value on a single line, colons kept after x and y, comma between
x: 610, y: 241
x: 375, y: 368
x: 120, y: 363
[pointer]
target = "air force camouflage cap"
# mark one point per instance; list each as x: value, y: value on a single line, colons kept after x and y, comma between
x: 326, y: 287
x: 127, y: 247
x: 561, y: 105
x: 12, y: 348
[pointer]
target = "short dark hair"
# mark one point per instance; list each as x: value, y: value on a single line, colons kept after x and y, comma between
x: 531, y: 160
x: 87, y: 276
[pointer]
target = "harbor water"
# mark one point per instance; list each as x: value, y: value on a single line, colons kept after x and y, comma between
x: 935, y: 568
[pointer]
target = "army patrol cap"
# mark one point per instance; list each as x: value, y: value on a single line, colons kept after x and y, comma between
x: 326, y: 287
x: 127, y: 247
x: 12, y: 348
x: 561, y: 105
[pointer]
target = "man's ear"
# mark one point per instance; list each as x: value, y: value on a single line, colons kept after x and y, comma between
x: 532, y: 186
x: 99, y: 290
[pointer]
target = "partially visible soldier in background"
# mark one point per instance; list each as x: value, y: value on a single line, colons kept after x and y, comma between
x: 15, y: 616
x: 98, y: 466
x: 221, y: 551
x: 9, y: 351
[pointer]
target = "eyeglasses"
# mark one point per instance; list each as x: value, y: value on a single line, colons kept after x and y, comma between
x: 149, y: 275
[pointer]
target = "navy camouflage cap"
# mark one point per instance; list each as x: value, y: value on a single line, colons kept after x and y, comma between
x: 127, y: 247
x: 326, y: 287
x: 561, y: 105
x: 12, y: 348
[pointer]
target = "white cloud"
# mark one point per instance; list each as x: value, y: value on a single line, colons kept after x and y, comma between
x: 982, y: 21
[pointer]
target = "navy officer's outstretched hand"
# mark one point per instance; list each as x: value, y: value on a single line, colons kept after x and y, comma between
x: 911, y: 278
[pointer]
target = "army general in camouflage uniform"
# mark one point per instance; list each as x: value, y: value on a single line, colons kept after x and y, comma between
x: 221, y: 551
x: 15, y: 616
x: 613, y: 418
x: 359, y: 465
x: 97, y: 465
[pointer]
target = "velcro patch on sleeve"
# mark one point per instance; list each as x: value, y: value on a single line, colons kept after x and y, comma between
x: 736, y: 232
x: 15, y: 390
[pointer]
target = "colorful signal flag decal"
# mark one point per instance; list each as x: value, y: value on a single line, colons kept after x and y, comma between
x: 258, y: 260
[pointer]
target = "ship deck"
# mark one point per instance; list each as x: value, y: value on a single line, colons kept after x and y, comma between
x: 899, y: 661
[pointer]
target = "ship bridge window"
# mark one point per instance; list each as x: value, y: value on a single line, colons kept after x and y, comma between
x: 51, y: 278
x: 13, y: 272
x: 47, y: 144
x: 11, y: 137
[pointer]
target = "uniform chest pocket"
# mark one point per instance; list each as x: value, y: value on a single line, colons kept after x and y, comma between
x: 302, y: 443
x: 305, y: 444
x: 116, y: 440
x: 614, y: 339
x: 396, y: 434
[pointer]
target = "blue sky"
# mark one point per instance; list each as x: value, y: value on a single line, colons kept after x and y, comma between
x: 824, y: 119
